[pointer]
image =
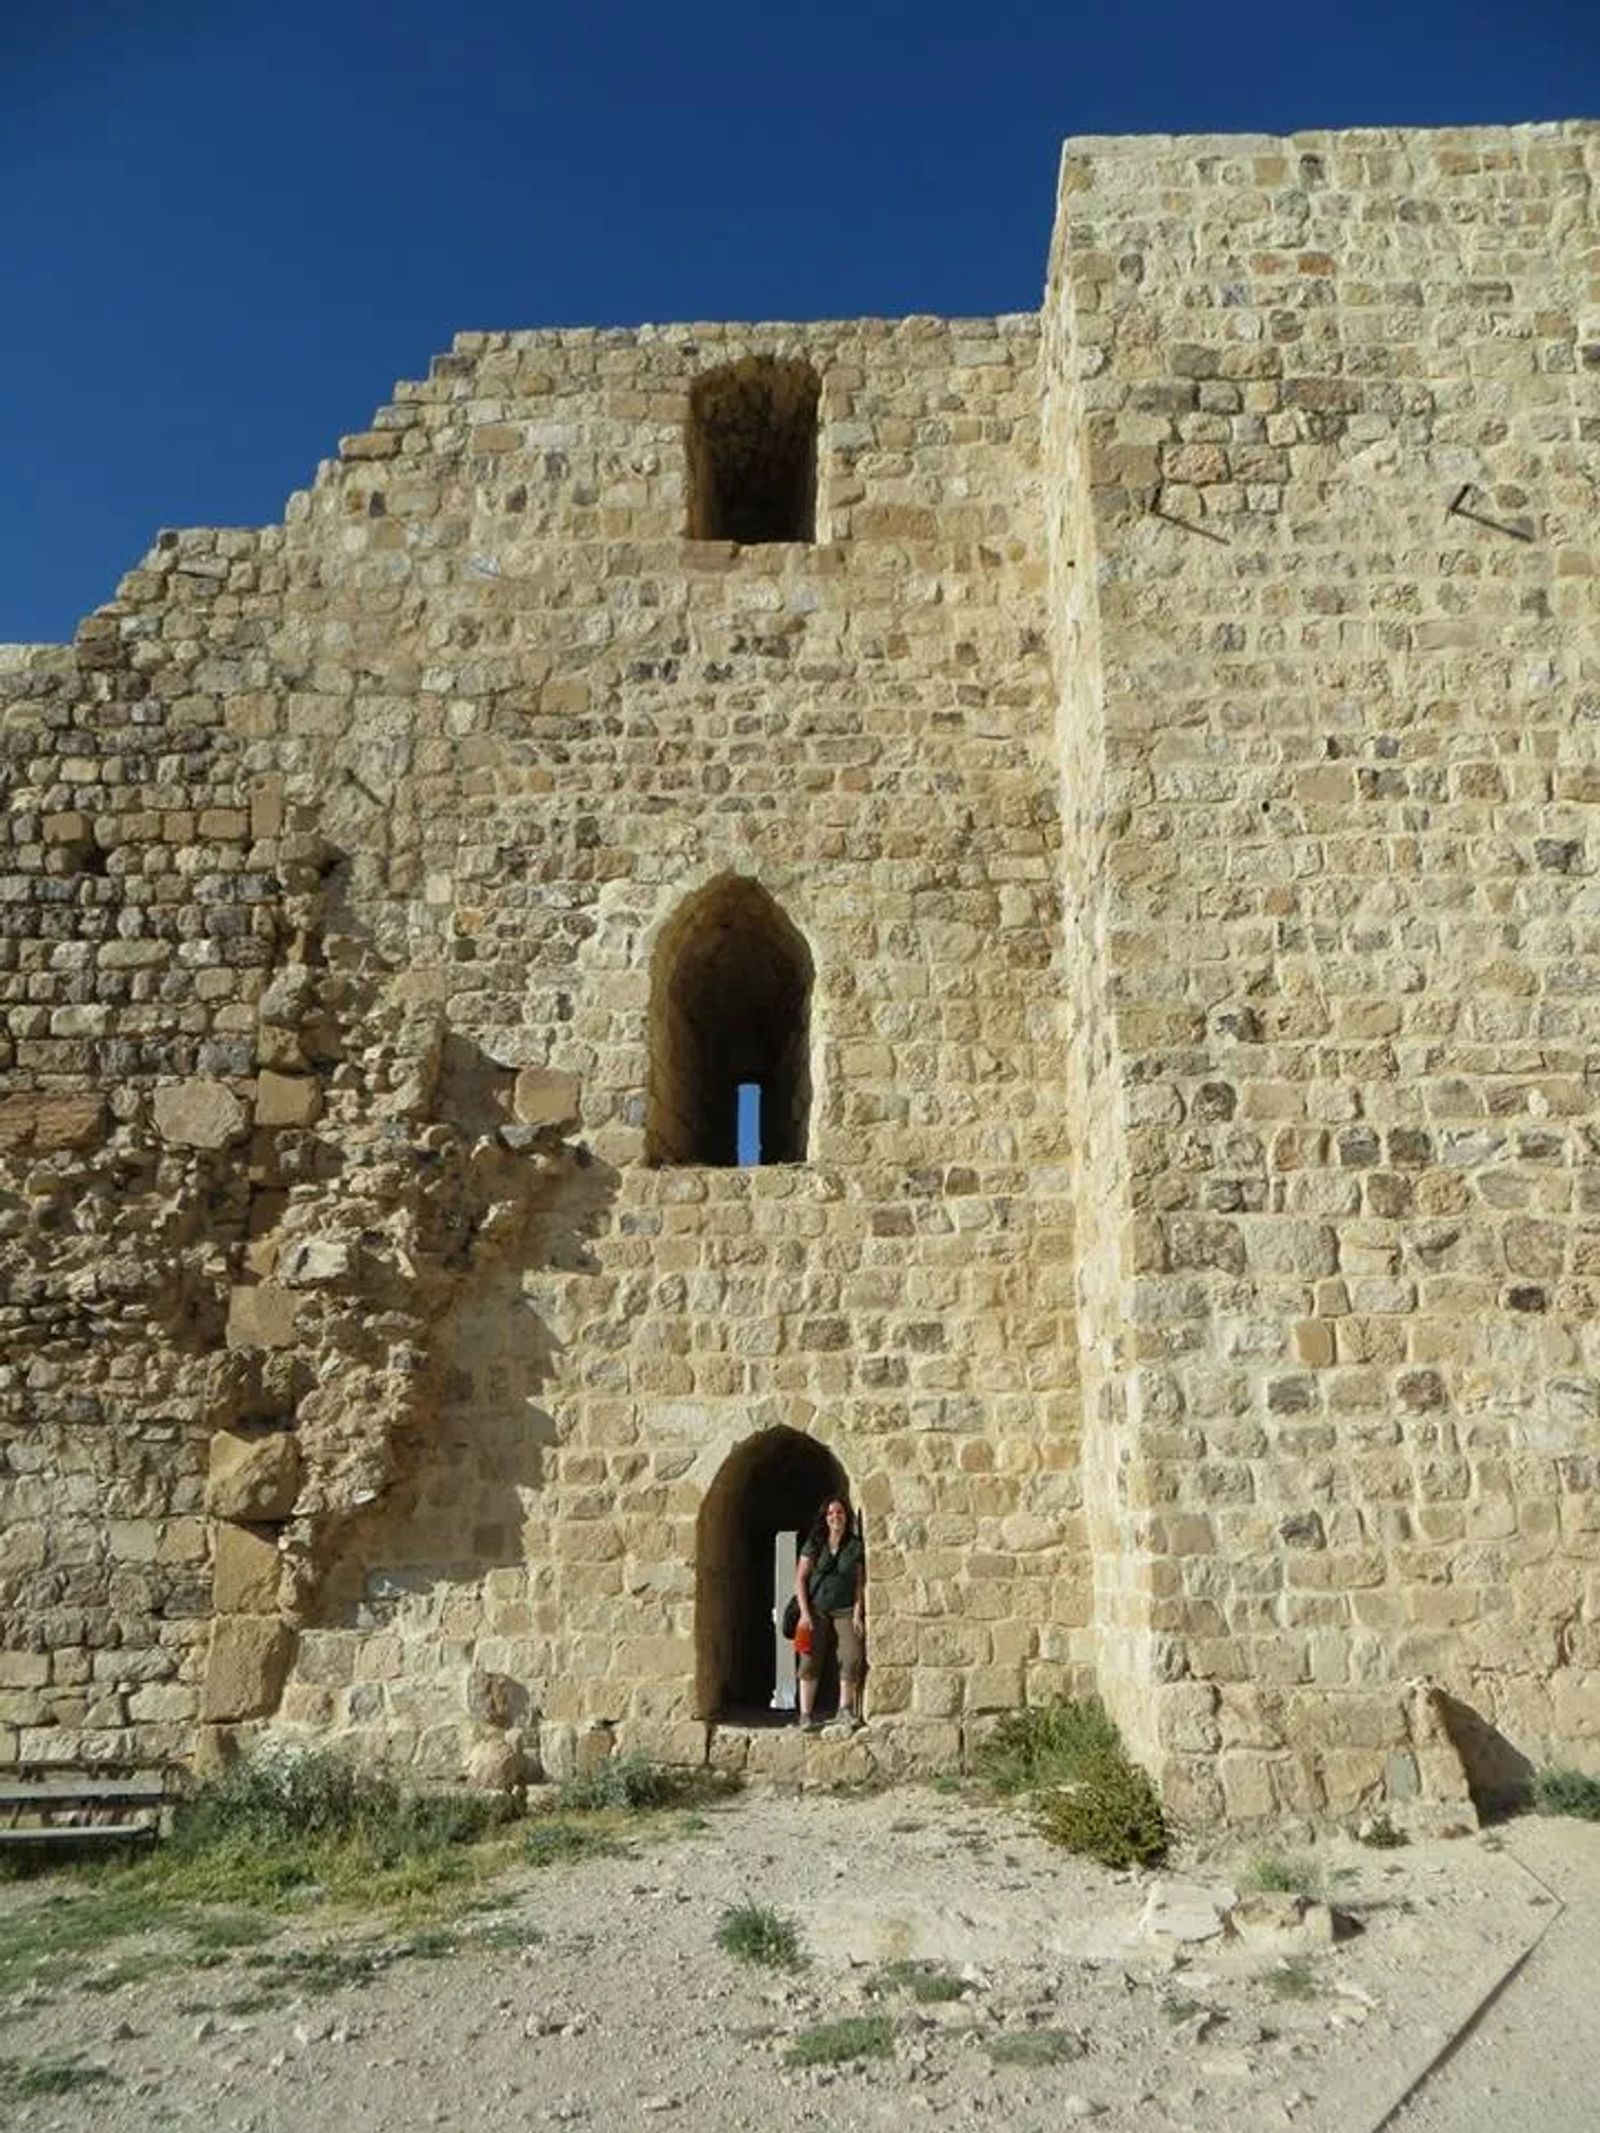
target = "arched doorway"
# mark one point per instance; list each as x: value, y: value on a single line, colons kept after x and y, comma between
x: 770, y: 1484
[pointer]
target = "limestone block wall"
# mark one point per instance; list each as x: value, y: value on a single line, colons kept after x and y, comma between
x: 603, y: 720
x: 1322, y: 468
x: 412, y: 791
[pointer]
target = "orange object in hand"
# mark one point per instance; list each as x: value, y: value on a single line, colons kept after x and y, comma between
x: 802, y: 1638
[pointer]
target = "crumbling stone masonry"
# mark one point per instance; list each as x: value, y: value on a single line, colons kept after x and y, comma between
x: 1120, y: 783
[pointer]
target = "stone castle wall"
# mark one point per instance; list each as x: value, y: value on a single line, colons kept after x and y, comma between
x: 1175, y: 764
x: 498, y: 723
x: 1325, y: 538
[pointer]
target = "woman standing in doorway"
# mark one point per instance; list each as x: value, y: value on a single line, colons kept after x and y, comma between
x: 830, y: 1582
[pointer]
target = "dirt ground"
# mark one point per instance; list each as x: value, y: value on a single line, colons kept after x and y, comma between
x: 592, y: 1992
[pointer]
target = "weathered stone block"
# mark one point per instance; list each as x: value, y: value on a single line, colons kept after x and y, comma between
x: 199, y: 1114
x: 936, y: 1692
x: 316, y: 1261
x: 1182, y: 1913
x: 288, y: 1099
x: 902, y: 1746
x: 994, y: 1688
x: 279, y: 1048
x: 182, y: 1540
x: 370, y: 444
x: 245, y: 1667
x: 133, y: 1540
x: 252, y: 1478
x: 542, y: 1096
x: 244, y: 1575
x: 163, y: 1703
x: 266, y: 806
x: 44, y: 1123
x: 495, y: 1764
x: 1025, y: 1532
x: 681, y: 1742
x: 1247, y: 1787
x: 261, y: 1316
x: 223, y: 824
x: 1273, y: 1923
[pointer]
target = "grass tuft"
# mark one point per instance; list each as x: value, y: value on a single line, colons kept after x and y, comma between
x: 1294, y: 1979
x: 927, y: 1983
x: 506, y: 1934
x: 1053, y: 1744
x: 1093, y: 1799
x: 633, y: 1781
x: 837, y: 2043
x: 1282, y: 1874
x: 1037, y: 2047
x: 275, y: 1979
x: 562, y: 1843
x: 756, y: 1934
x: 630, y: 1780
x: 1381, y: 1834
x: 1112, y: 1814
x: 1567, y: 1792
x: 273, y: 1834
x: 49, y: 1943
x: 21, y: 2080
x: 291, y: 1809
x: 221, y: 1932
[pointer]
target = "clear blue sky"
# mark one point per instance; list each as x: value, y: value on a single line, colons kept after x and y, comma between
x: 226, y: 229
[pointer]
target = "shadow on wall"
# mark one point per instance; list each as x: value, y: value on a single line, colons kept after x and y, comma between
x: 464, y: 1471
x: 1499, y: 1776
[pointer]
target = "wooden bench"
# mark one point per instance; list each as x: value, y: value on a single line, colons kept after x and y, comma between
x: 75, y: 1808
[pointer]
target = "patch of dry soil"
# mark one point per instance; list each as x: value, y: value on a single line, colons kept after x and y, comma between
x: 594, y: 1995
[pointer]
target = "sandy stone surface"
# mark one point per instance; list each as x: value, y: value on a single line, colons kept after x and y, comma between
x: 594, y: 1994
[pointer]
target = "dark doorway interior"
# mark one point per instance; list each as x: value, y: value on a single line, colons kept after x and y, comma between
x: 773, y: 1483
x: 752, y: 452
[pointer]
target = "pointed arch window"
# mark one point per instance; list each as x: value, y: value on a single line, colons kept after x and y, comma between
x: 730, y: 1032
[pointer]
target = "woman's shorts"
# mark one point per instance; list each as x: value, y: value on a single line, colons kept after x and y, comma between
x: 826, y: 1631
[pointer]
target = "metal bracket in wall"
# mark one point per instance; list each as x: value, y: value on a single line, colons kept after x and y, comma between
x: 1185, y: 525
x: 1458, y: 509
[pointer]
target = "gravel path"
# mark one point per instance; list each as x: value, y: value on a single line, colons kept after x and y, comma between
x: 1533, y: 2059
x: 593, y: 1994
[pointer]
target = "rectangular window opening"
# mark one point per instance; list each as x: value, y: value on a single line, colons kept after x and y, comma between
x: 748, y: 1145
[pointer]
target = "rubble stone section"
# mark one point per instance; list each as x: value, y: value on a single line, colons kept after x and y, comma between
x: 1171, y: 736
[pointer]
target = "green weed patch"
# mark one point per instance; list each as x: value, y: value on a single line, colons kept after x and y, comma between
x: 755, y: 1934
x: 928, y: 1983
x: 1052, y: 1744
x: 1282, y: 1874
x: 1567, y: 1792
x: 564, y: 1843
x: 838, y: 2043
x: 22, y: 2080
x: 1036, y: 2047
